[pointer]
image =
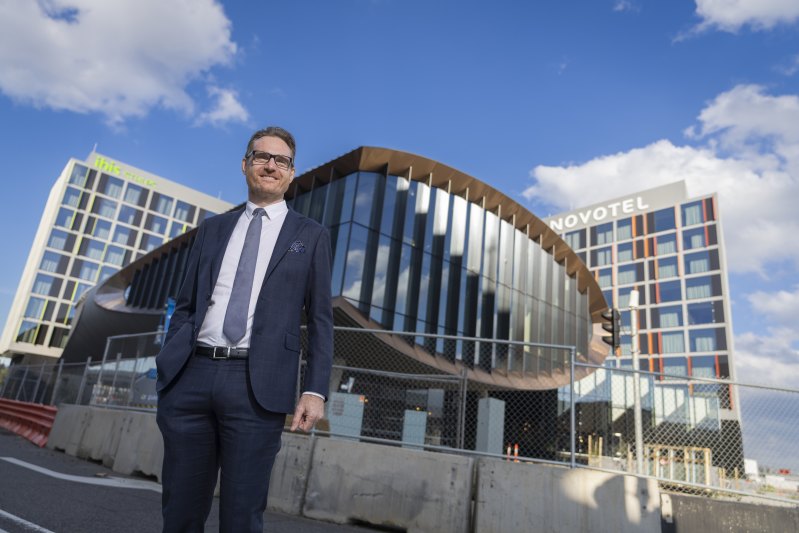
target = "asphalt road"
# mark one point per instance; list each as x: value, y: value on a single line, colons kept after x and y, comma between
x: 47, y: 491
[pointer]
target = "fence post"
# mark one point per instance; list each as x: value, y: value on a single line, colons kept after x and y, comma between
x: 38, y: 383
x: 5, y: 382
x: 572, y: 402
x: 132, y: 379
x: 22, y: 385
x: 462, y: 415
x: 79, y: 399
x: 112, y: 390
x: 57, y: 383
x: 105, y: 358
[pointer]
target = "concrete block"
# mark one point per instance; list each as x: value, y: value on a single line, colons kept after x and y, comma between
x: 389, y: 487
x: 66, y: 419
x: 290, y: 474
x: 697, y: 513
x: 526, y: 497
x: 141, y: 448
x: 99, y: 436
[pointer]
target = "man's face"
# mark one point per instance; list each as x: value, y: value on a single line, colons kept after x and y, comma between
x: 267, y: 183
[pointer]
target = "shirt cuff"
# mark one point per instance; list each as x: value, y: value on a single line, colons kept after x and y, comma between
x: 314, y: 394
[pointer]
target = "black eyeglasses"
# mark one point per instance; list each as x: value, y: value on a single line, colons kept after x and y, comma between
x: 282, y: 162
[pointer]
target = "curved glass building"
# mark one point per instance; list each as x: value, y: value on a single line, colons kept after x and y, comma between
x: 419, y: 247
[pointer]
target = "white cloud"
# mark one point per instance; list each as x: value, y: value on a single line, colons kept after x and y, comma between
x: 747, y: 152
x: 226, y: 109
x: 119, y: 59
x: 624, y: 5
x: 781, y: 306
x: 769, y: 359
x: 732, y: 15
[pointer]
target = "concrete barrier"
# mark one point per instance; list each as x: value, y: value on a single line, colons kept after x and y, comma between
x: 703, y: 515
x: 290, y: 474
x: 141, y: 447
x: 389, y: 487
x: 68, y: 428
x: 528, y: 497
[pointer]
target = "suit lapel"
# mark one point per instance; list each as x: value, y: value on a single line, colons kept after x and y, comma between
x: 224, y: 231
x: 288, y: 234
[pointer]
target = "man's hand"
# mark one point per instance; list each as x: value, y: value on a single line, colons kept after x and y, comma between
x: 309, y: 409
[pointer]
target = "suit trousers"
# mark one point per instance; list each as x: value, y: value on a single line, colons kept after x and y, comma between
x: 211, y: 422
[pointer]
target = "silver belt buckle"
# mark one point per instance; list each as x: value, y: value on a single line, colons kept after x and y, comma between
x: 225, y: 353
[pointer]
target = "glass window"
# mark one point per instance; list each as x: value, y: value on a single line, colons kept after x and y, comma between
x: 61, y: 240
x: 601, y: 257
x: 624, y: 229
x: 602, y: 234
x: 702, y: 287
x: 364, y: 199
x: 667, y: 317
x: 184, y: 211
x: 46, y: 285
x: 27, y: 331
x: 135, y: 195
x: 71, y: 197
x: 78, y: 175
x: 625, y: 252
x: 692, y: 213
x: 353, y: 272
x: 632, y: 273
x: 130, y: 215
x: 99, y: 228
x: 109, y: 185
x: 92, y: 249
x: 694, y: 238
x: 85, y: 270
x: 624, y: 297
x: 106, y: 272
x: 706, y: 313
x: 605, y: 278
x: 53, y: 262
x: 35, y: 308
x: 177, y: 228
x: 663, y: 220
x: 104, y: 207
x: 667, y: 268
x: 666, y: 244
x: 669, y: 291
x: 161, y: 203
x: 64, y: 217
x: 703, y: 367
x: 704, y: 261
x: 80, y: 288
x: 155, y: 224
x: 115, y: 255
x: 125, y: 236
x: 707, y: 340
x: 575, y: 239
x: 675, y: 366
x: 59, y: 337
x: 673, y: 342
x: 150, y: 242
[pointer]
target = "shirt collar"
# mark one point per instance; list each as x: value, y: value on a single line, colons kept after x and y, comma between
x: 272, y: 210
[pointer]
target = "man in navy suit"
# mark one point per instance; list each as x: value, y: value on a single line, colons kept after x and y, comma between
x: 228, y: 369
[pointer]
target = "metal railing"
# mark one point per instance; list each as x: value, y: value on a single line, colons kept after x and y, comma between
x: 700, y: 435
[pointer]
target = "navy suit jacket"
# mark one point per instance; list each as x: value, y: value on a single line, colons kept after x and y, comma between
x: 297, y: 279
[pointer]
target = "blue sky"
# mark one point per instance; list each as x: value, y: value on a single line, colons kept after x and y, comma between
x: 557, y: 103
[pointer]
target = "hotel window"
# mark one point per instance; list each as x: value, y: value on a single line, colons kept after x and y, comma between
x: 692, y: 214
x: 667, y: 268
x: 125, y: 236
x: 150, y: 242
x: 624, y: 297
x: 36, y: 308
x: 59, y: 338
x: 675, y: 366
x: 92, y: 249
x: 130, y: 215
x: 605, y: 278
x: 109, y: 186
x: 673, y: 342
x: 707, y: 340
x: 666, y: 244
x: 703, y: 367
x: 104, y: 207
x: 80, y: 288
x: 624, y: 229
x: 98, y: 228
x: 46, y: 285
x: 575, y: 239
x: 184, y: 211
x: 85, y: 270
x: 64, y: 217
x: 115, y: 255
x: 668, y: 291
x: 177, y: 228
x: 61, y: 240
x: 602, y: 234
x: 662, y: 220
x: 625, y: 252
x: 706, y: 313
x: 78, y: 175
x: 702, y: 287
x: 667, y: 317
x: 53, y: 262
x: 155, y: 224
x: 694, y: 238
x: 703, y: 261
x: 136, y: 195
x: 161, y: 203
x: 71, y: 197
x: 630, y: 274
x: 27, y: 331
x: 601, y: 257
x: 106, y: 272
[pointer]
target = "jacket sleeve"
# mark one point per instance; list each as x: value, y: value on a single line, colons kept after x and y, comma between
x: 319, y: 314
x: 186, y: 301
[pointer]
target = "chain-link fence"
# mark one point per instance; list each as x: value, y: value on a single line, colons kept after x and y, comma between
x: 701, y: 436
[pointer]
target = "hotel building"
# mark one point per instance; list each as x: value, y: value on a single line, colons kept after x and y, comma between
x: 100, y: 216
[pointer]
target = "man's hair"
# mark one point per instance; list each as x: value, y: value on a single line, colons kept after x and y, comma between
x: 274, y: 131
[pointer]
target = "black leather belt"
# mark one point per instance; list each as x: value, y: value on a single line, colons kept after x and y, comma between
x: 221, y: 352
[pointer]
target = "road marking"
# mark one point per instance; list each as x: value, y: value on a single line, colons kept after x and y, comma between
x: 29, y: 526
x: 122, y: 483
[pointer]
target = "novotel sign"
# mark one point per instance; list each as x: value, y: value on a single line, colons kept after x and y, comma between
x: 112, y: 167
x: 599, y: 213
